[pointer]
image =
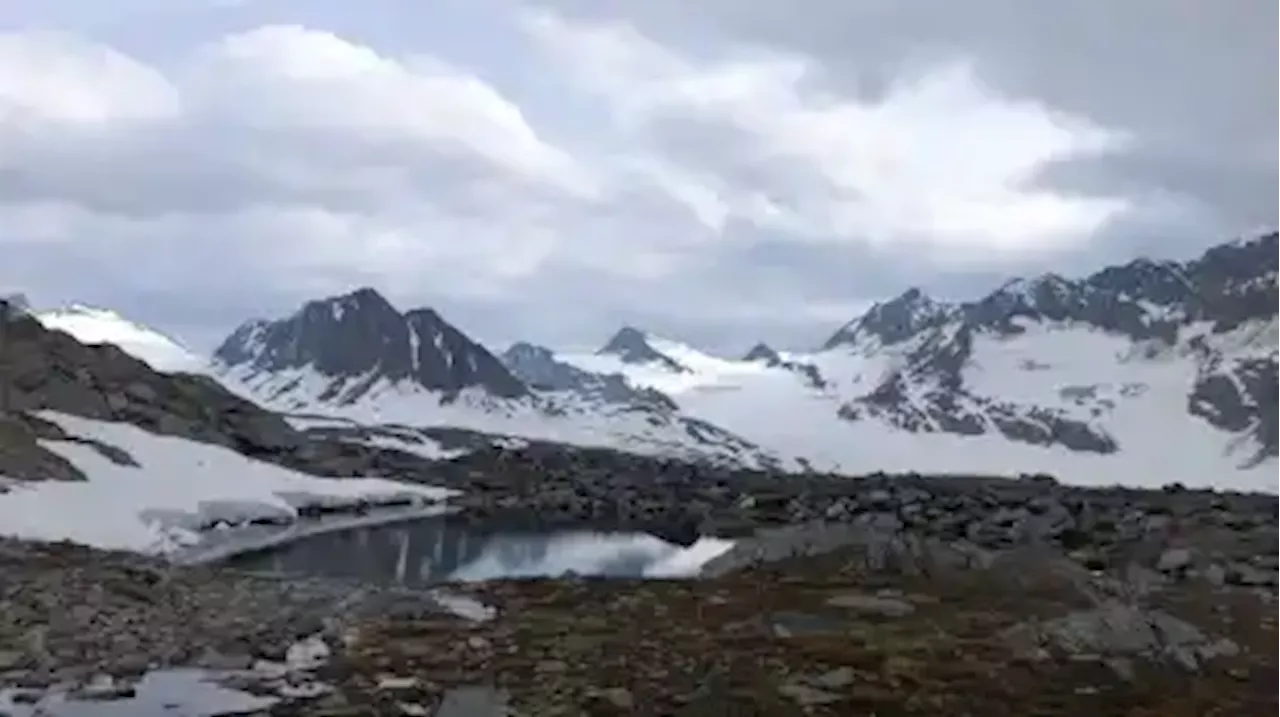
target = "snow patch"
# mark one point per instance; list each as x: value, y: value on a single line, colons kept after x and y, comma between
x: 91, y: 325
x: 180, y: 486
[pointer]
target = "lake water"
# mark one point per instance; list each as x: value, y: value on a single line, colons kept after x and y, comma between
x: 433, y: 550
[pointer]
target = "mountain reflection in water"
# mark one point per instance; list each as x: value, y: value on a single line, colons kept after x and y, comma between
x: 435, y: 550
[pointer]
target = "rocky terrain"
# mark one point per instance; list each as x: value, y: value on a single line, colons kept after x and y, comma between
x: 918, y: 597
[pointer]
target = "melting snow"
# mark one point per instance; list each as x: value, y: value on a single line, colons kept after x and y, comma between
x: 180, y: 486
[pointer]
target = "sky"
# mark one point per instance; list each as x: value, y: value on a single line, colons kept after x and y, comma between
x: 719, y: 171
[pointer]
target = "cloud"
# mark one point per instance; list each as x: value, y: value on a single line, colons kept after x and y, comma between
x: 720, y: 171
x: 280, y: 154
x: 939, y: 159
x: 1190, y: 88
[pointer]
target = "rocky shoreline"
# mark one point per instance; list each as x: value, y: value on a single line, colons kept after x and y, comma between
x: 1229, y: 538
x: 1125, y: 596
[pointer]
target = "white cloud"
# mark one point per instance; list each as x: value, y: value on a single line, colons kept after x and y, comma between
x: 295, y: 78
x: 56, y: 77
x: 941, y: 159
x: 297, y: 153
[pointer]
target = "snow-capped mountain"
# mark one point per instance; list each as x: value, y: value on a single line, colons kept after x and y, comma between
x: 1214, y: 318
x: 766, y: 354
x: 356, y: 356
x: 360, y: 340
x: 1147, y: 372
x: 632, y: 346
x: 539, y: 368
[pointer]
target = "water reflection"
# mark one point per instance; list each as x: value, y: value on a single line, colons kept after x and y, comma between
x: 438, y: 549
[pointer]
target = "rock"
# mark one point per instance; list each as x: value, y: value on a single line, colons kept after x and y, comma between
x: 835, y: 679
x: 1246, y: 575
x: 1117, y: 629
x: 788, y: 623
x: 884, y: 606
x: 619, y: 698
x: 1174, y: 560
x: 807, y: 696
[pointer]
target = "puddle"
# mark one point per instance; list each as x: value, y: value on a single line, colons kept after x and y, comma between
x: 164, y: 693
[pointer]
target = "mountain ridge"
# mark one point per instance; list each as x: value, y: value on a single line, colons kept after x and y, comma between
x: 1044, y: 374
x: 355, y: 355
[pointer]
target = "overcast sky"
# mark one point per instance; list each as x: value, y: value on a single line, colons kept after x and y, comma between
x: 720, y: 171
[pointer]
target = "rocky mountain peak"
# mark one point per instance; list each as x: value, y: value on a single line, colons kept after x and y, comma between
x: 762, y: 352
x: 538, y: 367
x: 361, y: 337
x: 631, y: 345
x: 895, y: 320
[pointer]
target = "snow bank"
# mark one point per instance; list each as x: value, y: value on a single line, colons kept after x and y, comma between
x: 91, y: 325
x: 180, y: 486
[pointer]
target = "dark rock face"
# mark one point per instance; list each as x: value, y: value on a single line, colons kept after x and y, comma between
x: 762, y: 352
x: 360, y: 338
x: 443, y: 358
x: 538, y: 367
x: 631, y: 345
x: 1156, y: 305
x: 806, y: 371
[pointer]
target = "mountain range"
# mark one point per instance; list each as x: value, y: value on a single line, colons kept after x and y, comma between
x: 1146, y: 372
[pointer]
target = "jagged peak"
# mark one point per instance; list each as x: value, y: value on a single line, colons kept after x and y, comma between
x: 762, y: 352
x: 625, y: 336
x: 632, y: 345
x: 895, y: 319
x: 1028, y: 289
x: 362, y: 300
